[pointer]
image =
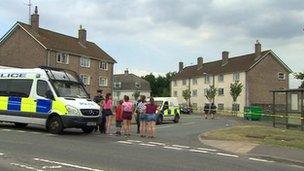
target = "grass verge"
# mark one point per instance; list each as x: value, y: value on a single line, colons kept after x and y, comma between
x: 259, y: 134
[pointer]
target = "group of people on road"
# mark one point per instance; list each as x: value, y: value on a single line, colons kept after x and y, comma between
x: 145, y: 115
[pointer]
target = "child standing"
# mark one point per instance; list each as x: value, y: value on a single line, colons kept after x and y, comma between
x: 118, y: 117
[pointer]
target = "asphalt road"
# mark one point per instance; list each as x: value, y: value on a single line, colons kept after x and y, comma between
x: 176, y: 147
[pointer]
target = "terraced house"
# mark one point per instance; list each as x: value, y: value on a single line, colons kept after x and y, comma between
x: 259, y: 72
x: 29, y: 46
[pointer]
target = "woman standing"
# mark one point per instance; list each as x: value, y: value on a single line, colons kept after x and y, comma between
x: 127, y: 115
x: 151, y: 117
x: 107, y: 111
x: 141, y: 107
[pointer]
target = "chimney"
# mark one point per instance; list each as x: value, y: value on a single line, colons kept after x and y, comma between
x: 35, y: 20
x: 225, y: 56
x: 199, y: 62
x: 181, y: 66
x: 127, y: 71
x: 258, y: 49
x: 82, y: 35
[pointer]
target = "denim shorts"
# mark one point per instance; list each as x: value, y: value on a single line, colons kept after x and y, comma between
x: 143, y: 117
x: 151, y: 117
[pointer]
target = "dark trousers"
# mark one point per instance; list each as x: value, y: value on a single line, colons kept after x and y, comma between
x: 102, y: 125
x: 138, y: 122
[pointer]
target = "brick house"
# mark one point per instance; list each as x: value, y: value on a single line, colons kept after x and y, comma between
x: 127, y: 84
x: 259, y: 72
x: 29, y: 46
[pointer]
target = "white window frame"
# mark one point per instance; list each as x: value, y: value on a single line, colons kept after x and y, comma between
x: 194, y: 93
x: 61, y: 57
x: 220, y: 104
x: 103, y: 65
x: 184, y: 82
x: 207, y: 79
x: 220, y: 76
x: 280, y: 78
x: 174, y: 93
x: 106, y: 81
x: 85, y: 62
x: 82, y: 76
x: 220, y: 90
x: 194, y: 81
x: 117, y: 84
x: 236, y: 76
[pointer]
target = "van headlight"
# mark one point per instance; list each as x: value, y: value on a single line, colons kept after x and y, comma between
x: 72, y: 110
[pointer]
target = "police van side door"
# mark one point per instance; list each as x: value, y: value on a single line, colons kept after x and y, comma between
x: 44, y: 97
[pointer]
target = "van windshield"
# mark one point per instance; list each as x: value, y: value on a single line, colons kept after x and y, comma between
x: 69, y: 89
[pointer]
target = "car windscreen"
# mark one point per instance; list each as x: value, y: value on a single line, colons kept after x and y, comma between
x: 69, y: 89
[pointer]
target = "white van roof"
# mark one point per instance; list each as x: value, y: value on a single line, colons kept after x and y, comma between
x: 26, y: 73
x: 169, y: 99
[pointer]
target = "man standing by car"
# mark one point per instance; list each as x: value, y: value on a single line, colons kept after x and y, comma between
x: 98, y: 99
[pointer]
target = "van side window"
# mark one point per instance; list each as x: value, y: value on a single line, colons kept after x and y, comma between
x: 42, y: 88
x: 18, y: 88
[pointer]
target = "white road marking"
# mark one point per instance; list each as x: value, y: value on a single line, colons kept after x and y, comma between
x: 6, y: 130
x: 261, y: 160
x: 173, y: 148
x: 125, y: 142
x: 1, y: 154
x: 180, y: 146
x: 51, y: 167
x: 25, y: 166
x: 207, y: 149
x: 198, y: 151
x: 168, y: 126
x: 227, y: 155
x: 149, y: 145
x: 136, y: 141
x: 21, y: 131
x: 157, y: 143
x: 36, y: 133
x: 67, y: 164
x: 188, y: 123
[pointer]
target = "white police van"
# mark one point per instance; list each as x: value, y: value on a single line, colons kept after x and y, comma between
x: 52, y: 97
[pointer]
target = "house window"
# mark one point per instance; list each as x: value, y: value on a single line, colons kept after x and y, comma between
x: 117, y: 84
x: 194, y: 93
x: 236, y: 107
x: 220, y: 106
x: 220, y: 91
x: 175, y: 93
x: 281, y: 76
x: 236, y: 76
x: 137, y: 85
x: 85, y: 79
x: 103, y: 81
x: 205, y: 91
x: 207, y: 79
x: 194, y: 105
x: 174, y: 83
x: 194, y: 81
x: 85, y: 62
x: 221, y: 78
x: 184, y: 82
x: 103, y: 65
x: 63, y: 58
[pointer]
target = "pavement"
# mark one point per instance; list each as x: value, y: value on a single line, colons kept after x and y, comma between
x: 176, y: 147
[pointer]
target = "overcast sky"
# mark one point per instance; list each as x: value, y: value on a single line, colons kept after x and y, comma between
x: 153, y: 36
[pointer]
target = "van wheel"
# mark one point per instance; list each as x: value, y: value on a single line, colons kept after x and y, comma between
x: 159, y: 120
x: 20, y: 125
x: 88, y: 129
x: 176, y: 119
x: 55, y: 125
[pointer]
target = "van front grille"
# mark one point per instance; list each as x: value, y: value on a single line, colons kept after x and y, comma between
x: 89, y: 112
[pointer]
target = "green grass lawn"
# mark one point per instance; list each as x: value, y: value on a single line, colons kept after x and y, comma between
x: 259, y: 134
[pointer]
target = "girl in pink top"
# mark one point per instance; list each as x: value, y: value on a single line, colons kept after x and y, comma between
x: 127, y: 115
x: 107, y: 111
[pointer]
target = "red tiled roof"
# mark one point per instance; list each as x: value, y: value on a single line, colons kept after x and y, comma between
x: 235, y: 64
x: 60, y: 42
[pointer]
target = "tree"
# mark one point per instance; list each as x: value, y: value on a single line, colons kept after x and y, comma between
x: 136, y: 95
x: 235, y: 91
x: 300, y: 76
x: 211, y: 93
x: 161, y: 85
x: 187, y: 95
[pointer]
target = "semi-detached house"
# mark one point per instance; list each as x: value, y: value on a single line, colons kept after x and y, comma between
x: 259, y: 72
x: 29, y: 46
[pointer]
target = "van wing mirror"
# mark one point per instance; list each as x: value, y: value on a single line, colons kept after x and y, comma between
x: 49, y: 95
